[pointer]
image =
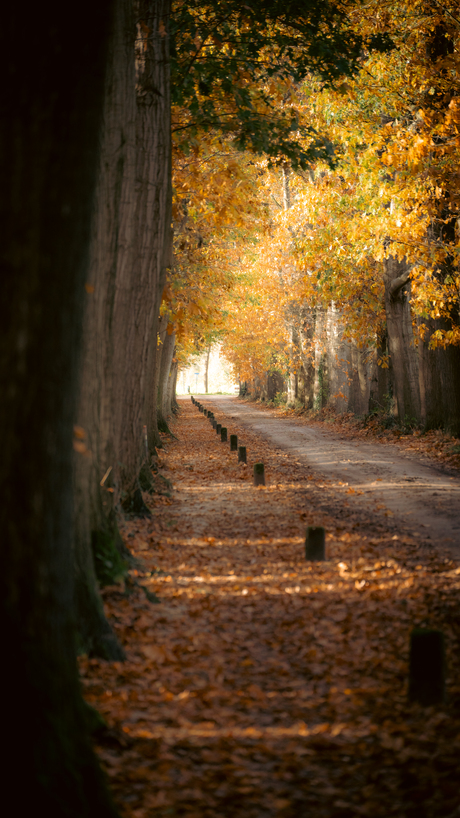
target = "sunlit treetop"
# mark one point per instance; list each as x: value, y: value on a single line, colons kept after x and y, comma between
x: 227, y: 55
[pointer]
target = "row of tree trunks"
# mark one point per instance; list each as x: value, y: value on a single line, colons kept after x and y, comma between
x: 130, y: 251
x: 52, y: 101
x: 336, y: 372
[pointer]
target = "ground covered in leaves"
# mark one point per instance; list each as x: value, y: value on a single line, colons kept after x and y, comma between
x: 260, y: 684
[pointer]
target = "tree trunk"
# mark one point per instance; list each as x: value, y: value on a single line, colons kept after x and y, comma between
x: 206, y: 371
x: 130, y: 250
x: 291, y: 378
x: 154, y: 436
x: 142, y: 276
x: 401, y: 339
x: 52, y: 100
x: 306, y: 351
x: 173, y: 406
x: 439, y: 383
x: 440, y: 368
x: 381, y: 379
x: 320, y: 381
x: 165, y: 370
x: 95, y: 518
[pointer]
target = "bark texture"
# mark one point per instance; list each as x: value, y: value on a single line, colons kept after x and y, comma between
x: 129, y: 254
x: 401, y: 340
x: 52, y: 99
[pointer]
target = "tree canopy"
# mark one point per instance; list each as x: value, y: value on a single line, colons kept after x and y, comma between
x: 233, y: 63
x: 385, y: 111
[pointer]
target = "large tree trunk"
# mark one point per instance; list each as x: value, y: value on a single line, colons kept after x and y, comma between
x: 96, y: 532
x: 401, y: 339
x: 439, y: 382
x: 440, y: 368
x: 130, y: 249
x: 138, y: 297
x: 52, y: 99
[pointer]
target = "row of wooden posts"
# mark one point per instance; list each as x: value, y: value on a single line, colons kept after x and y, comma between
x: 315, y: 540
x: 427, y: 665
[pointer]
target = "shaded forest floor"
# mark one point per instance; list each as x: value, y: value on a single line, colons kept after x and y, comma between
x: 260, y: 684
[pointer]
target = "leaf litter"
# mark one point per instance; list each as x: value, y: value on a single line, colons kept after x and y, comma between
x: 261, y: 684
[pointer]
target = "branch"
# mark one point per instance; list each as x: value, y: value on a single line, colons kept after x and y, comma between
x: 398, y: 283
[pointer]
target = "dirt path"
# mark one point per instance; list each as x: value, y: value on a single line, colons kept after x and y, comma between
x: 261, y: 685
x: 421, y: 498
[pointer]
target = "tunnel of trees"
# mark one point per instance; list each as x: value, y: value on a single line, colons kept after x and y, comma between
x: 281, y: 177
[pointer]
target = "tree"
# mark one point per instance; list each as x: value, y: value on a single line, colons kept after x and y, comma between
x: 373, y: 238
x: 52, y: 101
x: 228, y: 56
x: 130, y: 252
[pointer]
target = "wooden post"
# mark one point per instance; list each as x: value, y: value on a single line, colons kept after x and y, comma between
x: 233, y: 443
x: 223, y: 434
x: 426, y: 666
x: 315, y: 549
x: 242, y: 454
x: 213, y: 423
x: 259, y: 474
x: 218, y: 428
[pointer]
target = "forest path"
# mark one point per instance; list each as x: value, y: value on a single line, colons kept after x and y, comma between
x: 411, y: 495
x: 261, y: 685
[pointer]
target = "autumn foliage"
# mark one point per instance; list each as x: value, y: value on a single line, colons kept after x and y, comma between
x: 257, y: 683
x: 385, y: 187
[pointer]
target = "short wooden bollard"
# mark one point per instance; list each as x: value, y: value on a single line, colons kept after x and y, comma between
x: 218, y: 428
x: 233, y: 443
x: 223, y: 434
x: 213, y: 423
x: 315, y: 547
x: 426, y: 667
x: 242, y: 454
x: 259, y: 474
